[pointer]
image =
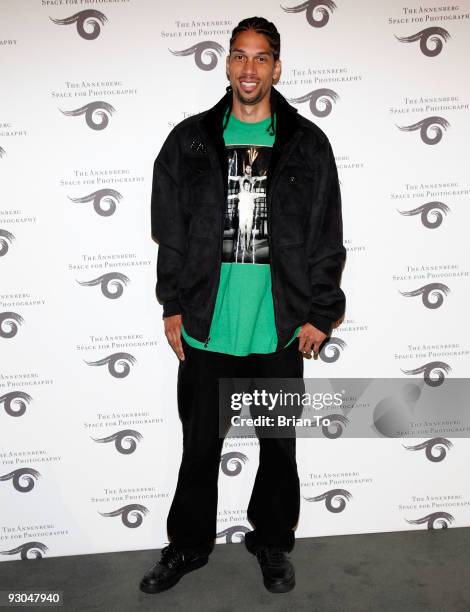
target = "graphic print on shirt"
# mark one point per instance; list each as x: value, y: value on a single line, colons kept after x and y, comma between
x: 246, y: 221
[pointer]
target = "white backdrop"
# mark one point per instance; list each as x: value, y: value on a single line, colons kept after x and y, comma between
x: 90, y: 437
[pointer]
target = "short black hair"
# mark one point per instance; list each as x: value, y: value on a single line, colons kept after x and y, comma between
x: 261, y: 26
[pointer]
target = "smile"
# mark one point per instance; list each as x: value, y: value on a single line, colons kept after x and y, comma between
x: 248, y: 85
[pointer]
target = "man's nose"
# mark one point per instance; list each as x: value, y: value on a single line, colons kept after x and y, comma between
x: 250, y: 65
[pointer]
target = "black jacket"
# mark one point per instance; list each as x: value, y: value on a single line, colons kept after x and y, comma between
x: 305, y: 233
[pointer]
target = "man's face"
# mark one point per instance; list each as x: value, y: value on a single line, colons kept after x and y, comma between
x: 251, y: 68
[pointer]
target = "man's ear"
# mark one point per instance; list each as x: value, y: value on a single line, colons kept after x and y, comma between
x: 226, y: 67
x: 277, y: 71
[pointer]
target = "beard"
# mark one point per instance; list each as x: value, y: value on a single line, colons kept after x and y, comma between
x: 248, y: 101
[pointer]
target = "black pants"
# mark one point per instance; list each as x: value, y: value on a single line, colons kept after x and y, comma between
x: 275, y: 500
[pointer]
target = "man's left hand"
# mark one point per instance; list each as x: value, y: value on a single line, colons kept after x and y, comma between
x: 310, y: 338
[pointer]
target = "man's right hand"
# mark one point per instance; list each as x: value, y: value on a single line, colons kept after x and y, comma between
x: 173, y: 334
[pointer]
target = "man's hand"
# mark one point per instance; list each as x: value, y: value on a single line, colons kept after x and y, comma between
x: 173, y: 334
x: 310, y: 338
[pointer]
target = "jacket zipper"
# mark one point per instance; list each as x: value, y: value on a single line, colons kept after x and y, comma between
x: 271, y: 267
x: 269, y: 212
x: 221, y: 233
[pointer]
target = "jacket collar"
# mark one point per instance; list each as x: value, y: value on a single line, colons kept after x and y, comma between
x: 286, y: 118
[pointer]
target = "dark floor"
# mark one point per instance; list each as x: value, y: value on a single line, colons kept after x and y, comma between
x: 390, y: 572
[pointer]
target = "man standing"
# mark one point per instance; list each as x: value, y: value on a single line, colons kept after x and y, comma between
x: 246, y: 210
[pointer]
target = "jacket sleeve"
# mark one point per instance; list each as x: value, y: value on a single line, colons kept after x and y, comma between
x: 327, y: 254
x: 169, y: 228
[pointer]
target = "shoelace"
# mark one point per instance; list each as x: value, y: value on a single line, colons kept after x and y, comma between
x: 272, y: 557
x: 171, y: 556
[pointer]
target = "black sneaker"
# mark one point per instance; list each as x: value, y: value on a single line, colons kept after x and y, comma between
x: 278, y: 571
x: 173, y: 565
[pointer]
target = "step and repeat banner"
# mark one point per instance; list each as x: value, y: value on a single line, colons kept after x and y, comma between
x: 90, y: 439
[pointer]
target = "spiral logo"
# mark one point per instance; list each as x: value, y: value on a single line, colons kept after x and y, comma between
x: 432, y: 294
x: 331, y: 350
x: 134, y: 511
x: 27, y: 474
x: 9, y: 322
x: 205, y: 54
x: 442, y: 519
x: 6, y: 238
x: 100, y: 197
x: 439, y: 368
x: 230, y: 533
x: 310, y: 6
x: 318, y: 98
x: 102, y: 109
x: 123, y: 360
x: 435, y: 448
x: 335, y: 499
x: 2, y: 152
x: 433, y: 124
x: 125, y: 441
x: 232, y: 463
x: 29, y: 550
x: 431, y: 213
x: 114, y: 279
x: 84, y: 19
x: 15, y: 402
x: 434, y: 35
x: 337, y: 424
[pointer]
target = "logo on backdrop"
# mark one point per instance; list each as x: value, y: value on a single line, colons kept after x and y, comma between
x: 230, y: 533
x: 6, y: 238
x: 125, y: 441
x: 85, y: 19
x: 100, y: 108
x: 117, y: 280
x: 331, y: 350
x: 205, y: 54
x: 432, y: 213
x: 310, y: 6
x: 123, y: 360
x: 336, y: 426
x: 2, y: 152
x: 27, y: 474
x: 437, y: 368
x: 9, y: 322
x: 232, y: 463
x: 323, y: 97
x: 15, y: 402
x: 433, y: 124
x: 108, y: 196
x: 29, y: 550
x: 441, y: 519
x: 435, y: 35
x: 432, y: 294
x: 136, y: 511
x: 441, y: 445
x: 335, y: 499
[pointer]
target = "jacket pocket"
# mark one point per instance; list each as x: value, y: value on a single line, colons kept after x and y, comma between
x: 197, y: 186
x: 293, y: 283
x: 296, y: 187
x: 198, y: 273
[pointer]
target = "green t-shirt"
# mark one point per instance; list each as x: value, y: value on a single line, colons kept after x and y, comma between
x: 243, y: 320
